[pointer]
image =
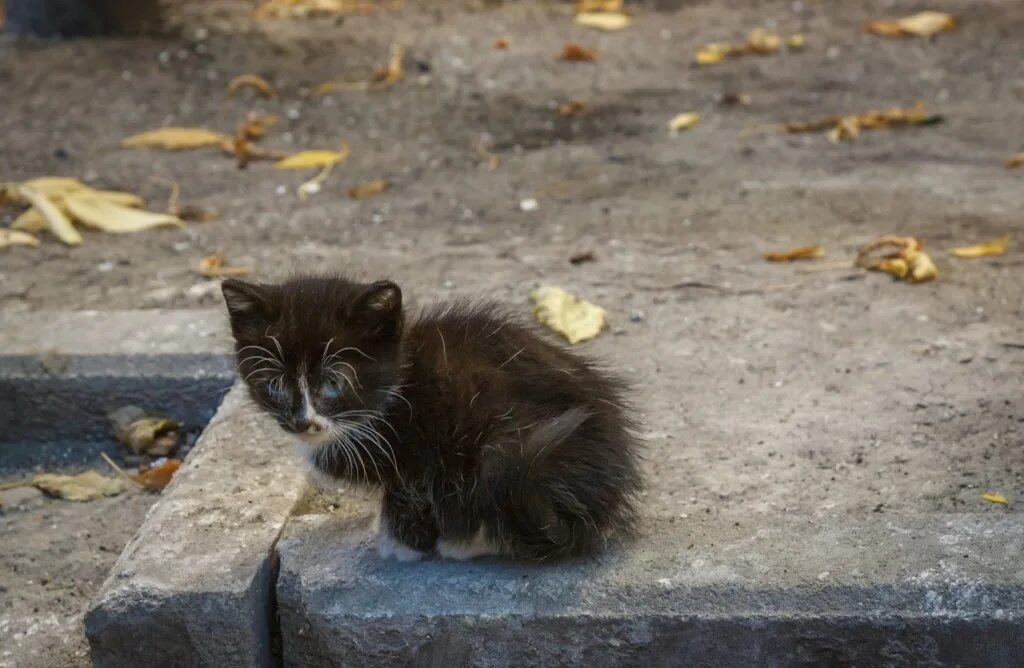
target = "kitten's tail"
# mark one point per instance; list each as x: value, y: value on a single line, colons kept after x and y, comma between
x: 543, y: 514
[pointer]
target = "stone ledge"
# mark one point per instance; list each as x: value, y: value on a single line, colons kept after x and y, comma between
x: 748, y: 590
x: 195, y: 584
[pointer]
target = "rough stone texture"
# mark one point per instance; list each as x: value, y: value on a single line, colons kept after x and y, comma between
x: 746, y: 590
x: 62, y: 371
x: 193, y: 587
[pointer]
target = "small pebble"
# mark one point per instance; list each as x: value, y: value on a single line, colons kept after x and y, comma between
x: 636, y: 316
x: 529, y: 204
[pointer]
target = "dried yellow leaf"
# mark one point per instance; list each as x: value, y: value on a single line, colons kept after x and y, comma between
x: 578, y: 54
x: 30, y: 220
x: 575, y: 319
x: 175, y: 139
x: 802, y: 253
x: 1015, y: 160
x: 254, y: 81
x: 214, y: 266
x: 922, y: 24
x: 716, y: 52
x: 315, y: 159
x: 908, y: 262
x: 86, y: 486
x: 683, y: 121
x: 584, y: 6
x: 280, y: 9
x: 383, y: 77
x: 54, y: 187
x: 994, y: 498
x: 604, y: 20
x: 849, y: 126
x: 572, y: 108
x: 761, y: 41
x: 795, y: 41
x: 368, y: 189
x: 108, y: 216
x: 994, y: 247
x: 10, y: 238
x: 56, y: 221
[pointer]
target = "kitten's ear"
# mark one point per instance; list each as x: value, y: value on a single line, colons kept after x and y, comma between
x: 380, y: 307
x: 248, y: 301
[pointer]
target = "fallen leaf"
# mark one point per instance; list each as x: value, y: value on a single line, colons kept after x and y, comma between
x: 158, y: 477
x: 802, y: 253
x: 578, y: 54
x: 795, y: 41
x: 107, y: 216
x: 922, y: 24
x: 1015, y: 160
x: 176, y: 139
x: 256, y: 82
x: 742, y: 99
x: 214, y: 266
x: 383, y: 77
x: 584, y: 6
x: 683, y: 121
x: 315, y: 159
x: 716, y: 52
x: 908, y: 262
x: 849, y: 126
x: 282, y: 9
x: 763, y: 42
x: 10, y: 238
x: 501, y: 43
x: 994, y: 498
x: 153, y: 436
x: 994, y: 247
x: 368, y: 189
x: 580, y: 258
x: 759, y: 41
x: 572, y: 108
x: 86, y: 486
x: 56, y: 221
x: 604, y: 20
x: 575, y: 319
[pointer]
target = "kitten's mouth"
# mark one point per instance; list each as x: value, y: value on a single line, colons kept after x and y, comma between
x: 313, y: 436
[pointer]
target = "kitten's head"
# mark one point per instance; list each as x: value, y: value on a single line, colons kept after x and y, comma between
x: 318, y: 353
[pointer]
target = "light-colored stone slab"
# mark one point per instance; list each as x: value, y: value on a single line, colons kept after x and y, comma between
x: 744, y: 590
x: 194, y: 586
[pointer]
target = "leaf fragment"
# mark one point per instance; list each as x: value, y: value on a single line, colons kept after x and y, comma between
x: 10, y: 238
x: 254, y: 81
x: 801, y: 253
x: 314, y: 159
x: 584, y: 6
x: 1015, y: 160
x: 683, y: 121
x: 575, y: 319
x: 922, y: 24
x: 175, y: 139
x: 87, y: 486
x: 383, y: 77
x: 575, y: 53
x: 501, y: 44
x: 284, y: 9
x: 849, y: 126
x: 572, y: 108
x: 994, y: 247
x: 215, y: 266
x: 58, y: 224
x: 107, y: 216
x: 368, y: 189
x: 994, y: 498
x: 759, y: 41
x: 607, y: 21
x: 158, y: 477
x: 908, y: 261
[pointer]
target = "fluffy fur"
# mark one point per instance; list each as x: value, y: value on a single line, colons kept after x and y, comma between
x: 484, y: 437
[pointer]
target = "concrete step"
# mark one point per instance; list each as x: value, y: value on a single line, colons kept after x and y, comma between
x: 208, y: 582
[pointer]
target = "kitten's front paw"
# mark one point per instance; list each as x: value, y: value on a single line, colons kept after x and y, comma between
x: 389, y: 546
x: 478, y: 546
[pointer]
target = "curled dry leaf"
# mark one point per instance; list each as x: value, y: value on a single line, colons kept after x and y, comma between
x: 922, y: 24
x: 759, y: 41
x: 10, y: 238
x: 584, y: 6
x: 58, y: 223
x: 849, y: 126
x: 314, y: 159
x: 501, y: 43
x: 254, y: 81
x: 908, y: 262
x: 107, y: 216
x: 801, y: 253
x: 572, y: 108
x: 368, y: 189
x: 994, y: 498
x: 175, y: 139
x: 994, y: 247
x: 604, y: 20
x: 86, y: 486
x: 283, y: 9
x: 158, y: 477
x: 383, y: 77
x: 575, y: 319
x: 215, y: 266
x: 683, y: 121
x: 1015, y: 160
x: 577, y: 54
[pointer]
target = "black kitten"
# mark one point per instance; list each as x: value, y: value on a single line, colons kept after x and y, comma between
x: 485, y: 438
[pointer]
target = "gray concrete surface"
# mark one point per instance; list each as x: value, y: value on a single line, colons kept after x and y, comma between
x: 62, y: 371
x: 194, y: 586
x: 748, y: 590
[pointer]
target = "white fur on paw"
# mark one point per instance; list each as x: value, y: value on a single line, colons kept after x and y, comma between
x: 479, y: 546
x: 389, y: 546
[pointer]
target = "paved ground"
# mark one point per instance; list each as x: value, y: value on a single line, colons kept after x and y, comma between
x: 771, y: 391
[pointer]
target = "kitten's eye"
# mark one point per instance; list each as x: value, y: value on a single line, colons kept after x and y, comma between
x: 276, y: 392
x: 331, y: 391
